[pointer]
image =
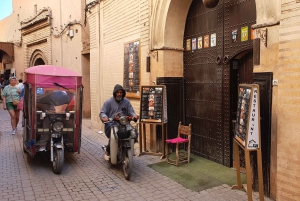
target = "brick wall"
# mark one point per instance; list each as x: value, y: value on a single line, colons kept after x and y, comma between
x: 94, y: 64
x: 124, y: 21
x: 288, y: 157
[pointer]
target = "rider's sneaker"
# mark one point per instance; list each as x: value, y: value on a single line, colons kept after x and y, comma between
x: 13, y: 131
x: 106, y: 157
x: 106, y: 149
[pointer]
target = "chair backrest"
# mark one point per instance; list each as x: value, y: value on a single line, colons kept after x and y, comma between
x: 184, y: 130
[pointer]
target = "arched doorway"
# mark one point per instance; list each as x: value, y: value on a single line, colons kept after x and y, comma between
x: 37, y: 58
x: 38, y: 62
x: 209, y: 67
x: 218, y: 56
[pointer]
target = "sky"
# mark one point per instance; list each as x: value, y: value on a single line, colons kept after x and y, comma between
x: 5, y: 8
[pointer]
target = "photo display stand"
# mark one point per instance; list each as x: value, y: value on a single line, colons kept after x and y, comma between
x: 153, y: 111
x: 247, y: 135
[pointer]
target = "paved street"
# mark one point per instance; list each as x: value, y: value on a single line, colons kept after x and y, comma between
x: 87, y: 176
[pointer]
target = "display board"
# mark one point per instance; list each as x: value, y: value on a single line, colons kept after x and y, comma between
x: 153, y: 104
x: 131, y: 81
x: 247, y: 127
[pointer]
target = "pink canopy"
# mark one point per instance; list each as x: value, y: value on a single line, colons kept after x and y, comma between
x: 51, y: 70
x: 47, y: 75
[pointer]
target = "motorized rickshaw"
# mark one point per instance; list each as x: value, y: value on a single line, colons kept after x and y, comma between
x: 52, y: 112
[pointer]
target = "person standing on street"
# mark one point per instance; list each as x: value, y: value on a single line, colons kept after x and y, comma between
x: 10, y: 93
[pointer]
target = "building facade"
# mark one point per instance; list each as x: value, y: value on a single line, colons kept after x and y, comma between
x: 162, y: 29
x: 51, y: 33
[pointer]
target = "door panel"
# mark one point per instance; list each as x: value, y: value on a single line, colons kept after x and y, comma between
x: 203, y: 81
x: 207, y: 73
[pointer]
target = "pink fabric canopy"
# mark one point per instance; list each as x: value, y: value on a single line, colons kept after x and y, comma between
x: 51, y: 70
x: 49, y: 76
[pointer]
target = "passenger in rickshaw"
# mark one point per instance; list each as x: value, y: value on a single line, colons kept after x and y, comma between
x: 53, y: 101
x: 56, y: 101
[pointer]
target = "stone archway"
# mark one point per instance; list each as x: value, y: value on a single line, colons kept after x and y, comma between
x: 167, y: 27
x: 166, y: 37
x: 37, y: 58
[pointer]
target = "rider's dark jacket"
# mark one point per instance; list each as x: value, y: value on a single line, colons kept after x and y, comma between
x: 111, y: 107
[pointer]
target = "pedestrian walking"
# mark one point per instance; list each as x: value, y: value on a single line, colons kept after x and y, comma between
x: 9, y: 95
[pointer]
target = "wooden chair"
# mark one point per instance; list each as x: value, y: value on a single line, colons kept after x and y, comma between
x: 184, y: 136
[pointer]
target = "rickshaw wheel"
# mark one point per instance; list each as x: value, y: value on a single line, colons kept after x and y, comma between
x: 58, y: 160
x: 127, y: 164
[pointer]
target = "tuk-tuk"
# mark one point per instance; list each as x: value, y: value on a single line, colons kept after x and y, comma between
x: 52, y: 112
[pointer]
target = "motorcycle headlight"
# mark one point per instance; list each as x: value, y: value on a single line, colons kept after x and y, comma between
x: 123, y: 120
x: 58, y: 126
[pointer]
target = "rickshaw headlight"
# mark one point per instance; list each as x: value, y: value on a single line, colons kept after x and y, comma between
x: 123, y: 120
x: 58, y: 126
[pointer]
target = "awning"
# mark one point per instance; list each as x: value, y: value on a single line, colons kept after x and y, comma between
x: 6, y: 48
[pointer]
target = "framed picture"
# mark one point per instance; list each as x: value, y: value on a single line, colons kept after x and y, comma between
x: 188, y: 45
x: 200, y: 42
x: 213, y: 40
x: 206, y: 41
x: 194, y: 43
x: 244, y: 33
x: 234, y: 35
x: 131, y: 82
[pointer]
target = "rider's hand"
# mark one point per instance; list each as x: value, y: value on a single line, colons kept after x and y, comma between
x: 135, y: 118
x: 4, y: 107
x: 104, y: 119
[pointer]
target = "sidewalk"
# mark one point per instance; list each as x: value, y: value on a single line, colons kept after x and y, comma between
x: 87, y: 176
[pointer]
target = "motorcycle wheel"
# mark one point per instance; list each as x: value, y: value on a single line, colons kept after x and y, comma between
x: 113, y: 149
x: 58, y: 160
x: 127, y: 164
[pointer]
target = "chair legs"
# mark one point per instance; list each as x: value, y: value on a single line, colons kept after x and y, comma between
x: 180, y: 157
x: 177, y: 154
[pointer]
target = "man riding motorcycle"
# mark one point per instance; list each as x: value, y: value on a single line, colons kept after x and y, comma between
x: 117, y: 104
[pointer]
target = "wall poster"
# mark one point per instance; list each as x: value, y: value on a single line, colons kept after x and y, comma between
x: 153, y: 104
x: 131, y: 81
x: 188, y: 45
x: 247, y: 127
x: 206, y: 41
x: 244, y: 33
x: 200, y: 42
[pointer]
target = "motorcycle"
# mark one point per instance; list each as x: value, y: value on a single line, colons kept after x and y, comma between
x: 121, y: 143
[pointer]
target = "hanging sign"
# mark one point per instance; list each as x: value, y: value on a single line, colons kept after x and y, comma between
x: 247, y: 127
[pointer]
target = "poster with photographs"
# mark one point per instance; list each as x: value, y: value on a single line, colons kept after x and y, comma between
x: 194, y: 43
x: 247, y: 127
x: 213, y: 40
x: 153, y: 104
x: 206, y: 41
x: 131, y: 81
x: 188, y: 45
x: 244, y: 33
x: 200, y: 42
